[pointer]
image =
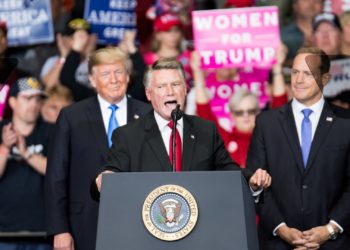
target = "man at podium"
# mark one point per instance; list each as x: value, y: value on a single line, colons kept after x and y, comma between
x: 146, y: 145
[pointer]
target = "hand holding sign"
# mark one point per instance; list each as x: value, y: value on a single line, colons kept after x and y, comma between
x: 128, y: 42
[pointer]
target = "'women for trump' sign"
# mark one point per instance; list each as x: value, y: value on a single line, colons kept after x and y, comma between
x: 236, y: 37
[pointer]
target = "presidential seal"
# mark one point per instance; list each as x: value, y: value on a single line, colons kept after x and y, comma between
x: 170, y: 212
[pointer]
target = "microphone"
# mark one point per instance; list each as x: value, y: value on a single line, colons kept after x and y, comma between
x: 176, y: 114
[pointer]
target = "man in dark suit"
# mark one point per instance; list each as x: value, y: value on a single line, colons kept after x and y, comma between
x: 145, y: 144
x: 79, y: 147
x: 305, y: 146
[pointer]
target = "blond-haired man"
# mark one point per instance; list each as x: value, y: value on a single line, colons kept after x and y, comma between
x: 79, y: 147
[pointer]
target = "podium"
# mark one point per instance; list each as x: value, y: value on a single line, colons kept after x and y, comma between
x: 225, y: 216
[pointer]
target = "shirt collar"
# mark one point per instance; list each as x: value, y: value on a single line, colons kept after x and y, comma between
x: 105, y: 105
x: 162, y: 123
x: 316, y: 107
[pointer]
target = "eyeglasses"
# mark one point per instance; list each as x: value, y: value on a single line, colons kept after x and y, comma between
x: 243, y: 112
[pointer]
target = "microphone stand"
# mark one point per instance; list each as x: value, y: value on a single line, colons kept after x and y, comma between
x: 176, y: 114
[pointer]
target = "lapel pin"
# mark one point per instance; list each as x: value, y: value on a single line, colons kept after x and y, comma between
x: 329, y: 119
x: 192, y: 137
x: 136, y: 116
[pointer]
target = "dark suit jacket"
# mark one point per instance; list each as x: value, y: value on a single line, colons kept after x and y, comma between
x: 302, y: 198
x: 78, y: 149
x: 140, y: 148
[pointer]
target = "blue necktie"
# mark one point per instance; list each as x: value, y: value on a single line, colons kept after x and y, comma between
x: 306, y: 135
x: 112, y: 124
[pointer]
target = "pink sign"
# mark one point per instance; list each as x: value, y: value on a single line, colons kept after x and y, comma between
x: 236, y: 37
x: 4, y: 90
x: 339, y: 6
x: 254, y: 80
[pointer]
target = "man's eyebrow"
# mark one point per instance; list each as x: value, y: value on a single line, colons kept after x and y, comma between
x: 179, y: 81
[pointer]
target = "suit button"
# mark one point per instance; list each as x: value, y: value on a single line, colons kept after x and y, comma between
x: 304, y: 186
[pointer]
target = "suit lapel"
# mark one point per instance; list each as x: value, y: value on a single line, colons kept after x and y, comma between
x: 323, y: 127
x: 95, y: 121
x: 188, y: 143
x: 287, y: 122
x: 132, y: 111
x: 155, y: 141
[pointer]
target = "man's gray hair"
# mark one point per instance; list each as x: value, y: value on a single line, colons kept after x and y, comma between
x: 164, y: 63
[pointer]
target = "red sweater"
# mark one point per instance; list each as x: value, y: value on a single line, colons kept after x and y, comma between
x: 236, y: 142
x: 278, y: 101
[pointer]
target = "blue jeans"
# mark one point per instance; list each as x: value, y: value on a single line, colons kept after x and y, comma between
x: 24, y: 246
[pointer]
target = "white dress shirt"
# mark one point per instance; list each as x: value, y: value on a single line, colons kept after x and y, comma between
x: 120, y: 113
x: 165, y: 130
x: 314, y: 117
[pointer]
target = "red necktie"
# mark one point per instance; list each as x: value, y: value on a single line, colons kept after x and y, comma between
x: 178, y: 153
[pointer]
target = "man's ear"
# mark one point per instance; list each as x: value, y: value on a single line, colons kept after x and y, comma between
x: 325, y: 79
x: 148, y: 94
x: 12, y: 102
x: 128, y: 78
x: 92, y: 80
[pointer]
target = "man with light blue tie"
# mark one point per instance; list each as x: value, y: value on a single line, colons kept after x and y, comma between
x: 79, y: 147
x: 305, y: 147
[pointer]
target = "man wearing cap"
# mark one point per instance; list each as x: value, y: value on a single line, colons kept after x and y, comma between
x: 23, y: 148
x: 79, y: 147
x: 328, y: 37
x: 327, y: 32
x: 298, y: 31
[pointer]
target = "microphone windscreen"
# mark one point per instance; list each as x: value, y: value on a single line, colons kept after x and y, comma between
x: 176, y: 114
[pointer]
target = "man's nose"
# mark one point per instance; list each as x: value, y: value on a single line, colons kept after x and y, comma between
x: 169, y: 89
x: 114, y: 77
x: 299, y: 77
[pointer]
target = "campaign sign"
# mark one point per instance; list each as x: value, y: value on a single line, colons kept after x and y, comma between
x: 4, y: 90
x: 28, y: 21
x: 339, y: 6
x: 7, y: 77
x: 253, y: 79
x: 109, y: 19
x: 236, y: 37
x: 340, y: 80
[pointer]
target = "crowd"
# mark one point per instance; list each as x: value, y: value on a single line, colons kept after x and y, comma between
x: 67, y: 98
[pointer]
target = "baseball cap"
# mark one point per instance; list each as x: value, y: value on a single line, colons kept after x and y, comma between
x: 238, y: 3
x: 328, y: 17
x: 77, y: 24
x: 27, y: 86
x: 166, y: 22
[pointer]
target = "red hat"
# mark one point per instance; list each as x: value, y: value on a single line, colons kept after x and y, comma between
x: 238, y: 3
x: 166, y: 22
x: 3, y: 26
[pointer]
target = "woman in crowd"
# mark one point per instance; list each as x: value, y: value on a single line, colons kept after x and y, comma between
x: 243, y: 105
x: 167, y: 42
